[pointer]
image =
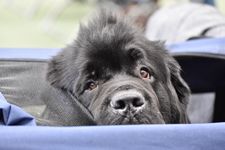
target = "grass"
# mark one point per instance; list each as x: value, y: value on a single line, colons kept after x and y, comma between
x: 20, y: 29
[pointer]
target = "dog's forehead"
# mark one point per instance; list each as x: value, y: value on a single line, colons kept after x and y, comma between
x: 118, y: 58
x: 114, y: 59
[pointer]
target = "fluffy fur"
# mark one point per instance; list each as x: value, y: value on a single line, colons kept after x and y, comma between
x: 109, y: 54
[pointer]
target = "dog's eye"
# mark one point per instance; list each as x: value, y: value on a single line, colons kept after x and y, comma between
x: 145, y: 73
x: 91, y: 85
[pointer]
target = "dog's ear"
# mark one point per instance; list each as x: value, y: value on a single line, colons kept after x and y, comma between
x: 61, y: 72
x: 181, y: 88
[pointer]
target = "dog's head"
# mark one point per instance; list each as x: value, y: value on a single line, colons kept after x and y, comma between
x: 120, y: 76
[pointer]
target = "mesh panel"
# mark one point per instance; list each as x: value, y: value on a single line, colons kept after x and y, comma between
x: 23, y: 84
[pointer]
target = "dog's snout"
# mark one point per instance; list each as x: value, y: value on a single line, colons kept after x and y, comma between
x: 130, y: 99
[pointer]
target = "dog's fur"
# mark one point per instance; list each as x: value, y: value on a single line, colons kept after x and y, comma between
x: 110, y: 53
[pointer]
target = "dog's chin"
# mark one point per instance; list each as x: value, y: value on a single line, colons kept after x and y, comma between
x: 124, y: 120
x: 130, y: 121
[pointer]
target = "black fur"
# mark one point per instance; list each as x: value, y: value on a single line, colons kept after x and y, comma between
x: 110, y: 52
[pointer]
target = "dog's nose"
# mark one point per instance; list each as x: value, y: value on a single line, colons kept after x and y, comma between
x: 130, y: 99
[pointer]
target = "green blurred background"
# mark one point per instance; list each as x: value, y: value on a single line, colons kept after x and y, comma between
x: 47, y: 23
x: 40, y: 23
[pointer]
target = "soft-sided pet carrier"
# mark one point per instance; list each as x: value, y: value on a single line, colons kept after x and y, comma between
x: 22, y: 80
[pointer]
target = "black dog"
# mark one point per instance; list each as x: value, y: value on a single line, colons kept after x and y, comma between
x: 120, y: 76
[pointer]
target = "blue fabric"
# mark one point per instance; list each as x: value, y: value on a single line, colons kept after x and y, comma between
x: 135, y: 137
x: 13, y: 115
x: 28, y: 53
x: 210, y: 46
